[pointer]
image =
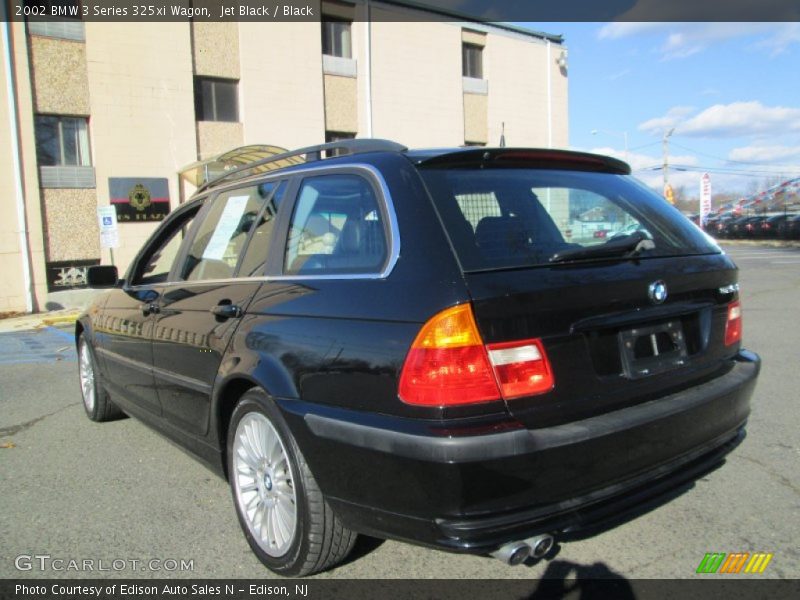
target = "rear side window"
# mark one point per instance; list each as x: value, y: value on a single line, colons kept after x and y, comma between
x: 516, y: 217
x: 337, y: 228
x: 221, y: 237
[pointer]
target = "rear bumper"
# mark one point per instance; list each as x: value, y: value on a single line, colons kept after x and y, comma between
x: 385, y: 477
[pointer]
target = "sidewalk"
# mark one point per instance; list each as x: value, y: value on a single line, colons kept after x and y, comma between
x: 60, y: 309
x: 60, y: 318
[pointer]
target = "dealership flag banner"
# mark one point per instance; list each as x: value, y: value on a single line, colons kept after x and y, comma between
x: 139, y: 198
x: 705, y: 197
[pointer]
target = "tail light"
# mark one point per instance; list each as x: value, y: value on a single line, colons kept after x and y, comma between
x: 733, y: 326
x: 521, y: 368
x: 448, y: 364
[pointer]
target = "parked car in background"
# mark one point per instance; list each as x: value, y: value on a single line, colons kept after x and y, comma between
x: 406, y: 344
x: 753, y: 227
x: 791, y: 228
x: 729, y: 228
x: 777, y: 226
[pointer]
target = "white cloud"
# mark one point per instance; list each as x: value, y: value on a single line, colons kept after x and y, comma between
x: 764, y: 154
x: 674, y: 116
x: 779, y: 43
x: 742, y: 118
x: 727, y: 120
x: 617, y: 30
x: 691, y: 38
x: 618, y: 75
x: 647, y: 168
x: 687, y: 39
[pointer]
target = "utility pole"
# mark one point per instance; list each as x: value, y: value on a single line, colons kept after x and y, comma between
x: 665, y: 147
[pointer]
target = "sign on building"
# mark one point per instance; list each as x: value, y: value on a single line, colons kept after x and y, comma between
x: 139, y: 198
x: 68, y: 275
x: 107, y: 220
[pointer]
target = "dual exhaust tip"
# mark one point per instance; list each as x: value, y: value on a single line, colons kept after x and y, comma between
x: 515, y: 553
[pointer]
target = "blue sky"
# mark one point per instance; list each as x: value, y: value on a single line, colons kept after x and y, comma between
x: 730, y: 90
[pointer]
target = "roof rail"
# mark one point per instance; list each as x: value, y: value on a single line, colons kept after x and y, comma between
x: 305, y: 155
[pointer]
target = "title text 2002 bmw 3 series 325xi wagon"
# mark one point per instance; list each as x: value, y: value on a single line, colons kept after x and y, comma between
x: 478, y: 350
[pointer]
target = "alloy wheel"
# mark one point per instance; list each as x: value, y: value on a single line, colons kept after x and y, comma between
x: 86, y: 368
x: 264, y: 484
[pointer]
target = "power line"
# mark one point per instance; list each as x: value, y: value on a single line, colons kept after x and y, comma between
x: 729, y: 160
x: 726, y: 170
x: 643, y: 146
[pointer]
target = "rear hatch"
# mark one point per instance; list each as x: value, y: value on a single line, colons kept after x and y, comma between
x: 628, y: 297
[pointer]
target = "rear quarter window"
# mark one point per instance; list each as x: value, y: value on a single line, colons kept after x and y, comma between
x: 337, y: 227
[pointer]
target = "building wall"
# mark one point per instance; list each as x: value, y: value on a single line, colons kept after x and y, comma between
x: 216, y: 49
x: 135, y: 83
x: 476, y: 110
x: 67, y: 211
x: 518, y: 93
x: 281, y: 95
x: 341, y: 103
x: 60, y: 83
x: 13, y: 293
x: 514, y: 99
x: 560, y: 91
x: 417, y: 93
x: 142, y: 110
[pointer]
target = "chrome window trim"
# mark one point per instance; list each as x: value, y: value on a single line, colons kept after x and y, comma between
x: 394, y: 232
x: 384, y: 196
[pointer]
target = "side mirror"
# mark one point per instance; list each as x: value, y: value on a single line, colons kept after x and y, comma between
x: 102, y: 276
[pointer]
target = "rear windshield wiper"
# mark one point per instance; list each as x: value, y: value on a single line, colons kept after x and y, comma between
x: 623, y: 247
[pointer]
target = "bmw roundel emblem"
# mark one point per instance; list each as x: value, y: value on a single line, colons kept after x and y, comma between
x: 657, y: 292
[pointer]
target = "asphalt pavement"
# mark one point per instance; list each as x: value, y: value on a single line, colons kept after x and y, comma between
x: 77, y: 490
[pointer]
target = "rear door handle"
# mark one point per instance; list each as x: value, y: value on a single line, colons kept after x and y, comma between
x: 227, y: 311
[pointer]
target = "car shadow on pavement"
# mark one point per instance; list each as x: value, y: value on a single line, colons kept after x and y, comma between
x: 364, y: 545
x: 563, y: 578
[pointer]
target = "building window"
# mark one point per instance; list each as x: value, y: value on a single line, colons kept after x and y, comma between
x: 472, y: 60
x: 56, y: 19
x: 336, y: 136
x: 62, y: 141
x: 216, y: 99
x: 336, y: 38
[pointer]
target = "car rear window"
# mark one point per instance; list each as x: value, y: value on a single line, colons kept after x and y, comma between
x: 516, y: 217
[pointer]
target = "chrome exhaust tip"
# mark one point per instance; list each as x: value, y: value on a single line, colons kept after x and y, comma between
x: 513, y: 553
x: 540, y: 545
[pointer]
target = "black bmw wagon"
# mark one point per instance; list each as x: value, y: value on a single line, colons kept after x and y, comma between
x: 475, y: 349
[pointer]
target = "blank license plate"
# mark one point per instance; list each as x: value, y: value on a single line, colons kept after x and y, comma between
x: 653, y: 349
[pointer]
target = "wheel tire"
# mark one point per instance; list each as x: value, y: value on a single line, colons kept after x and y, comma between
x: 273, y: 479
x: 96, y: 402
